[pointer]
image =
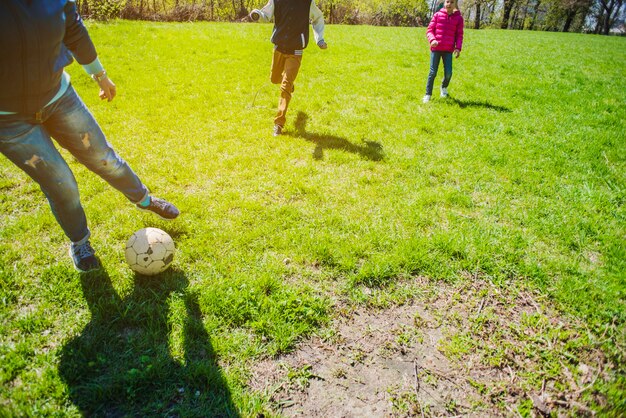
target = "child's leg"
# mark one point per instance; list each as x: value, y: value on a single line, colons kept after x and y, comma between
x: 434, y: 67
x: 278, y: 66
x: 447, y: 68
x: 292, y: 66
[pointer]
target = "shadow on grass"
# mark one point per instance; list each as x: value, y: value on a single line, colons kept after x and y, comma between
x: 472, y: 103
x: 370, y: 149
x: 122, y: 362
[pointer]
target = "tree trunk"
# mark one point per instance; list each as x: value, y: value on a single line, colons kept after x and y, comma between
x: 433, y: 7
x: 524, y: 14
x: 599, y: 21
x: 477, y: 17
x: 535, y: 13
x: 513, y: 22
x: 571, y: 14
x: 612, y: 12
x: 508, y: 6
x: 583, y: 16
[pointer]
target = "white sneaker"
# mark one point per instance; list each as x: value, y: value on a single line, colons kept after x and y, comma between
x: 426, y: 99
x: 444, y: 92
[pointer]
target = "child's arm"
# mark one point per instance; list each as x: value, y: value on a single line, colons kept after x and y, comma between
x: 430, y: 32
x: 264, y: 14
x: 317, y: 22
x: 458, y: 39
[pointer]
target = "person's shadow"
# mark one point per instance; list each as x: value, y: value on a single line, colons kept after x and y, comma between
x: 473, y: 103
x: 369, y: 149
x: 147, y: 354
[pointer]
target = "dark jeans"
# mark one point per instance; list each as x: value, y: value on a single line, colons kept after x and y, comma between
x: 434, y: 67
x: 26, y: 141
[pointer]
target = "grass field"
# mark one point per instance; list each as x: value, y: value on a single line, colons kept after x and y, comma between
x: 517, y: 180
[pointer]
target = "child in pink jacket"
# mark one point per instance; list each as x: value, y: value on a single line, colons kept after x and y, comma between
x: 445, y: 35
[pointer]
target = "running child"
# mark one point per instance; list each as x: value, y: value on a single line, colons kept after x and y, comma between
x: 290, y: 37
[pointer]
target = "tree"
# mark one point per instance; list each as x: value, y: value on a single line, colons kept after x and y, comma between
x: 477, y: 16
x: 611, y: 9
x: 506, y: 14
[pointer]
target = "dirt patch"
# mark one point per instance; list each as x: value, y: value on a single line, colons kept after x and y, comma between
x: 464, y: 350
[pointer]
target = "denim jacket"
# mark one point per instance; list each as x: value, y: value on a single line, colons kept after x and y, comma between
x: 38, y: 38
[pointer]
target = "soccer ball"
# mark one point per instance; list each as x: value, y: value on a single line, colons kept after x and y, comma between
x: 150, y: 251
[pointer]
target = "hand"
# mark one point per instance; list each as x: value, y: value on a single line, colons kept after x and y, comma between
x: 322, y: 45
x: 252, y: 17
x: 456, y: 53
x: 107, y: 89
x: 434, y: 43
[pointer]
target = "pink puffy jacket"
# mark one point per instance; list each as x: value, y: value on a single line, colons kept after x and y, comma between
x: 447, y: 30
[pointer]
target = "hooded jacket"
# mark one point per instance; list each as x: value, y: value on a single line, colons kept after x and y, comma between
x: 38, y: 38
x: 447, y: 29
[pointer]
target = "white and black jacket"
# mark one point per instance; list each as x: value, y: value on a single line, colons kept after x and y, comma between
x: 291, y: 23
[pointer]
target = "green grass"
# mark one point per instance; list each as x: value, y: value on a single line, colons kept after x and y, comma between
x: 518, y: 178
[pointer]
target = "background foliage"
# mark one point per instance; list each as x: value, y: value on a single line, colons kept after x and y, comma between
x: 595, y: 16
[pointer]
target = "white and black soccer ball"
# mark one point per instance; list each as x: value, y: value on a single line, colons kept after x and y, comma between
x: 150, y: 251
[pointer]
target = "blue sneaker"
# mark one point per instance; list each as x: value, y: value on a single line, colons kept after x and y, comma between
x: 84, y: 257
x: 161, y: 208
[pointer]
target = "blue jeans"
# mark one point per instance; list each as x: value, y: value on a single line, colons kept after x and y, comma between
x: 26, y: 141
x: 434, y: 67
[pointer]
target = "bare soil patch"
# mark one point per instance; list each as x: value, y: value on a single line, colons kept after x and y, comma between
x: 460, y: 350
